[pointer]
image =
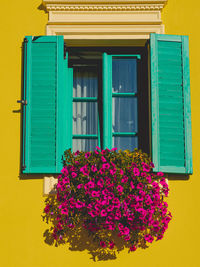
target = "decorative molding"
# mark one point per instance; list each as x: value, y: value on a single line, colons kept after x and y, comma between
x: 105, y: 6
x: 104, y: 19
x: 108, y: 8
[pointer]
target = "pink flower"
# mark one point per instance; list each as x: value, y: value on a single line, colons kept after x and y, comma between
x: 91, y: 184
x: 106, y: 166
x: 47, y: 209
x: 149, y: 180
x: 132, y: 185
x: 110, y: 208
x: 160, y: 173
x: 103, y: 213
x: 95, y: 194
x: 76, y: 153
x: 146, y: 167
x: 121, y: 172
x: 140, y: 186
x: 93, y: 213
x: 133, y: 248
x: 114, y: 149
x: 93, y: 168
x: 148, y: 238
x: 79, y: 186
x: 102, y: 244
x: 136, y: 171
x: 74, y: 175
x: 120, y: 188
x: 124, y: 179
x: 111, y: 245
x: 87, y: 155
x: 103, y: 159
x: 100, y: 183
x: 113, y: 171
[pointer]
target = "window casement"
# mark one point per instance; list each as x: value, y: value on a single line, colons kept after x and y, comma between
x: 59, y: 113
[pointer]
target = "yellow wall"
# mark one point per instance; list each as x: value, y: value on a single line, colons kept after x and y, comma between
x: 21, y: 205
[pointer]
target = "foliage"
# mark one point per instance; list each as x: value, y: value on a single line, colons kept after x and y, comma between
x: 112, y: 195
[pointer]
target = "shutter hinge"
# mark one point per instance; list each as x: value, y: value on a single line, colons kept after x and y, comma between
x: 25, y: 40
x: 23, y: 102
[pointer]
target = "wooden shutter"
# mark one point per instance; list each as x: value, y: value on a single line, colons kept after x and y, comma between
x: 170, y: 104
x: 46, y: 87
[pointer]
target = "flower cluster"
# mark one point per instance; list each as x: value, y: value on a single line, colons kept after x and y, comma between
x: 111, y: 193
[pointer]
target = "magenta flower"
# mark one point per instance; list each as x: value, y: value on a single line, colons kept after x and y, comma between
x: 132, y: 185
x: 148, y: 238
x: 100, y: 183
x: 133, y: 248
x: 95, y: 194
x: 47, y: 209
x: 146, y: 167
x: 103, y: 159
x: 111, y: 193
x: 87, y: 155
x: 121, y: 172
x: 120, y: 188
x: 93, y: 168
x: 111, y: 245
x: 102, y: 244
x: 103, y: 213
x: 136, y: 171
x: 91, y: 184
x: 79, y: 186
x: 140, y: 186
x: 74, y: 175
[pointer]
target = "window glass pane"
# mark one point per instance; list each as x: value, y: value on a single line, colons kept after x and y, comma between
x: 85, y: 118
x: 121, y: 142
x: 124, y: 114
x: 85, y: 82
x: 124, y: 75
x: 84, y: 144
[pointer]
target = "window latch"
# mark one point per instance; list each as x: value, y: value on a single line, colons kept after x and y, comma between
x: 23, y: 102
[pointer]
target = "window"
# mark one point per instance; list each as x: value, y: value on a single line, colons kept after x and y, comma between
x: 105, y: 98
x: 77, y: 100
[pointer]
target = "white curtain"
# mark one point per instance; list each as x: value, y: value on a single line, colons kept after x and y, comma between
x: 85, y: 114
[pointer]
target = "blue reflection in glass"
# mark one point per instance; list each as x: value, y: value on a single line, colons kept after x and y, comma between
x: 124, y: 75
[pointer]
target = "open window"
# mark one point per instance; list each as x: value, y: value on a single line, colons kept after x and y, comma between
x: 100, y: 96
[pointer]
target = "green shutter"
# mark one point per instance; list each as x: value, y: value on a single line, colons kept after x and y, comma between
x: 170, y: 104
x: 45, y: 116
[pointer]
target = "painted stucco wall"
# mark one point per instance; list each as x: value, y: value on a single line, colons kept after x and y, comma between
x: 21, y: 201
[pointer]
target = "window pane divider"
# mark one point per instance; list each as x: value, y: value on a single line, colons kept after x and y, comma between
x: 123, y: 94
x: 85, y: 99
x: 124, y: 134
x: 136, y: 56
x: 85, y: 136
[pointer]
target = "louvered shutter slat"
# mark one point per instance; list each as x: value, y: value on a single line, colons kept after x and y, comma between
x: 170, y: 104
x: 45, y: 85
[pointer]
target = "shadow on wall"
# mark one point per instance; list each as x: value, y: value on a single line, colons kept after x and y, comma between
x: 79, y: 239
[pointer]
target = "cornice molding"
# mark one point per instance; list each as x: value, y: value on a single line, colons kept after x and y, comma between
x: 102, y: 5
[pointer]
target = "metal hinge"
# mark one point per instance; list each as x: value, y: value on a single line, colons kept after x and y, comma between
x: 23, y: 102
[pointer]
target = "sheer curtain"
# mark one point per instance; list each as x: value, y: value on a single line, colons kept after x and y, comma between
x: 85, y: 111
x: 124, y: 108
